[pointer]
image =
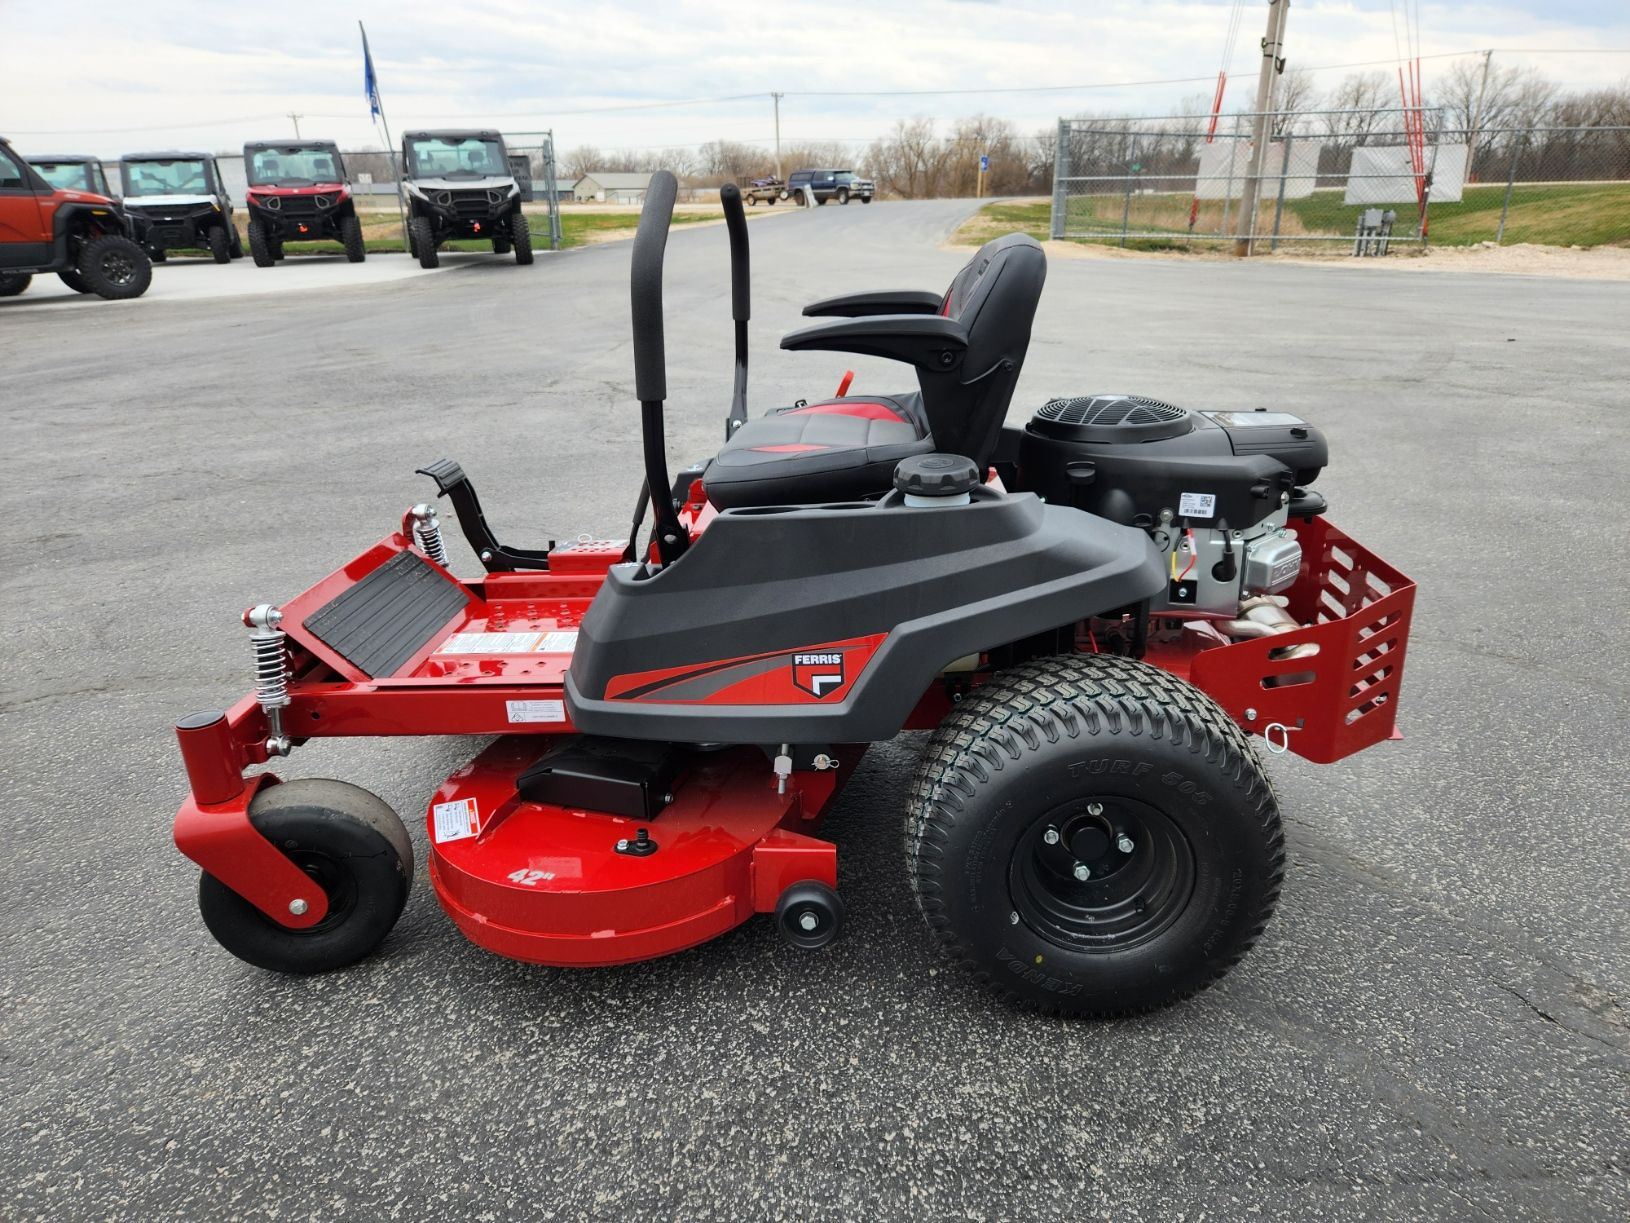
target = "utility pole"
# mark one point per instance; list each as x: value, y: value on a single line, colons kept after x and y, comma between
x: 776, y: 99
x: 1477, y: 113
x: 1273, y: 63
x: 296, y: 120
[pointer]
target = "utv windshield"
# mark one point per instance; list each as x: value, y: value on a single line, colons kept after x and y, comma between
x: 66, y: 175
x: 439, y: 157
x: 166, y: 178
x: 295, y: 167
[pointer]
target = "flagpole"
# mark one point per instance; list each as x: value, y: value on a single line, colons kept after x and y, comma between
x: 376, y: 101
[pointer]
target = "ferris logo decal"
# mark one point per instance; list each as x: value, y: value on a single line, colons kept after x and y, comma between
x: 818, y: 674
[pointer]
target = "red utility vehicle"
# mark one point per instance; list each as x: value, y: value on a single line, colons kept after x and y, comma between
x: 298, y: 193
x: 1090, y: 829
x: 86, y: 239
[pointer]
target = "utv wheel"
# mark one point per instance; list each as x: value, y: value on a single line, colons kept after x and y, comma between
x: 158, y: 256
x: 520, y: 237
x: 422, y: 242
x: 235, y: 247
x: 500, y: 244
x: 220, y: 246
x: 13, y: 283
x: 114, y: 267
x: 357, y: 851
x: 1091, y: 836
x: 277, y: 249
x: 260, y: 246
x: 72, y: 278
x: 356, y: 250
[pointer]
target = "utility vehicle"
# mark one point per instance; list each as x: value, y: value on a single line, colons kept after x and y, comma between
x: 458, y: 185
x: 1093, y: 614
x: 764, y: 191
x: 298, y: 192
x: 73, y: 172
x: 183, y: 201
x: 82, y: 236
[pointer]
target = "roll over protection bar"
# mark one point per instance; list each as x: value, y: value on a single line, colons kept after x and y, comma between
x: 735, y: 220
x: 650, y: 361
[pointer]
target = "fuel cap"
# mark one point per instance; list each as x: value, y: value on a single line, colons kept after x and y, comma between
x: 936, y: 475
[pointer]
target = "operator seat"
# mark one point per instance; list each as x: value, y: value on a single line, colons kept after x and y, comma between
x: 968, y: 347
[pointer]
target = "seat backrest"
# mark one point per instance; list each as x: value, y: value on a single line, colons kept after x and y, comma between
x: 995, y: 296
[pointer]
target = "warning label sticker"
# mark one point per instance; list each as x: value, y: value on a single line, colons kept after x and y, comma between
x: 456, y: 821
x: 558, y: 643
x: 1197, y: 505
x: 489, y: 643
x: 536, y: 711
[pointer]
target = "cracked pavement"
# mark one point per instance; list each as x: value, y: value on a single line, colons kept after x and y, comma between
x: 1434, y: 1025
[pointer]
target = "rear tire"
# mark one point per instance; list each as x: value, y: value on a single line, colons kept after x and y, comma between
x: 352, y: 844
x: 356, y: 250
x: 115, y: 268
x: 158, y: 256
x: 235, y: 247
x: 220, y: 246
x: 520, y: 237
x: 260, y: 246
x: 13, y: 283
x: 1149, y: 787
x: 422, y: 242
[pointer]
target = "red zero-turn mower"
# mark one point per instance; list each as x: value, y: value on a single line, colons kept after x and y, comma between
x: 1093, y: 615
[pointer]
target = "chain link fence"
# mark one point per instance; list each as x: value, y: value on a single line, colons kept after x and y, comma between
x: 376, y: 181
x: 1365, y: 178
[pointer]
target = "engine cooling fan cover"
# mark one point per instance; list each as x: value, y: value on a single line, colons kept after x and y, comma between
x: 1111, y: 418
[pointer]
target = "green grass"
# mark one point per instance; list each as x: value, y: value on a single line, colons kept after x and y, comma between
x: 1591, y: 214
x: 383, y: 231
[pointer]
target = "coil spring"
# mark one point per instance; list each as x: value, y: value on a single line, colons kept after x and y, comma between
x: 271, y: 669
x: 428, y: 527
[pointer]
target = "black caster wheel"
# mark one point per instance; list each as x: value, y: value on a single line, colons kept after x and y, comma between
x: 356, y: 849
x: 809, y: 915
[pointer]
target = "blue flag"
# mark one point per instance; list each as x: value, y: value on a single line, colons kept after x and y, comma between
x: 370, y: 82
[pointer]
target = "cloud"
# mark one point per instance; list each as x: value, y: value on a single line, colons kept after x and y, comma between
x: 167, y: 73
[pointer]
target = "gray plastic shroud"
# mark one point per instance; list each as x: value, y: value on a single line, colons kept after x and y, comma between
x: 941, y: 582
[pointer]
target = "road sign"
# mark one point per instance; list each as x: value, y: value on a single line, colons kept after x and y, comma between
x: 984, y: 162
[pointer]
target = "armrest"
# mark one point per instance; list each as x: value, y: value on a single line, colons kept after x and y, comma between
x: 887, y: 301
x: 924, y: 340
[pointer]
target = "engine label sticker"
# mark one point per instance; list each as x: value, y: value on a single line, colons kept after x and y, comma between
x: 1197, y: 505
x: 489, y: 643
x: 457, y: 821
x: 536, y: 711
x: 558, y: 643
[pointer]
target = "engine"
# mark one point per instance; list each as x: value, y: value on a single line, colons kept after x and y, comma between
x: 1217, y: 491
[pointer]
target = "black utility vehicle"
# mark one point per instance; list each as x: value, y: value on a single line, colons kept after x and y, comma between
x: 839, y: 185
x: 457, y: 184
x: 182, y: 198
x: 298, y: 193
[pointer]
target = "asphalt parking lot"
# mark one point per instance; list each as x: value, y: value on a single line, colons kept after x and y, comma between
x: 1434, y: 1025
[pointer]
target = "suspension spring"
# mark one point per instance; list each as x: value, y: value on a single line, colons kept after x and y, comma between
x: 271, y: 670
x: 428, y: 529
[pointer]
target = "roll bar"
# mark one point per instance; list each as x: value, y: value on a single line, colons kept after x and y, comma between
x: 735, y: 219
x: 650, y: 363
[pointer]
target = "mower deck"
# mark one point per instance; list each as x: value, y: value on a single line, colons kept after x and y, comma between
x: 570, y: 887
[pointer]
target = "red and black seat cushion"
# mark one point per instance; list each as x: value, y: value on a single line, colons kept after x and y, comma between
x: 828, y: 451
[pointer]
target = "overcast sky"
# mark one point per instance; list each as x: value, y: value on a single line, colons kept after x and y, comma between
x: 110, y: 77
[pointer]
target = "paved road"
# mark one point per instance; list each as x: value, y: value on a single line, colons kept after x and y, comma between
x: 196, y: 280
x: 1434, y: 1025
